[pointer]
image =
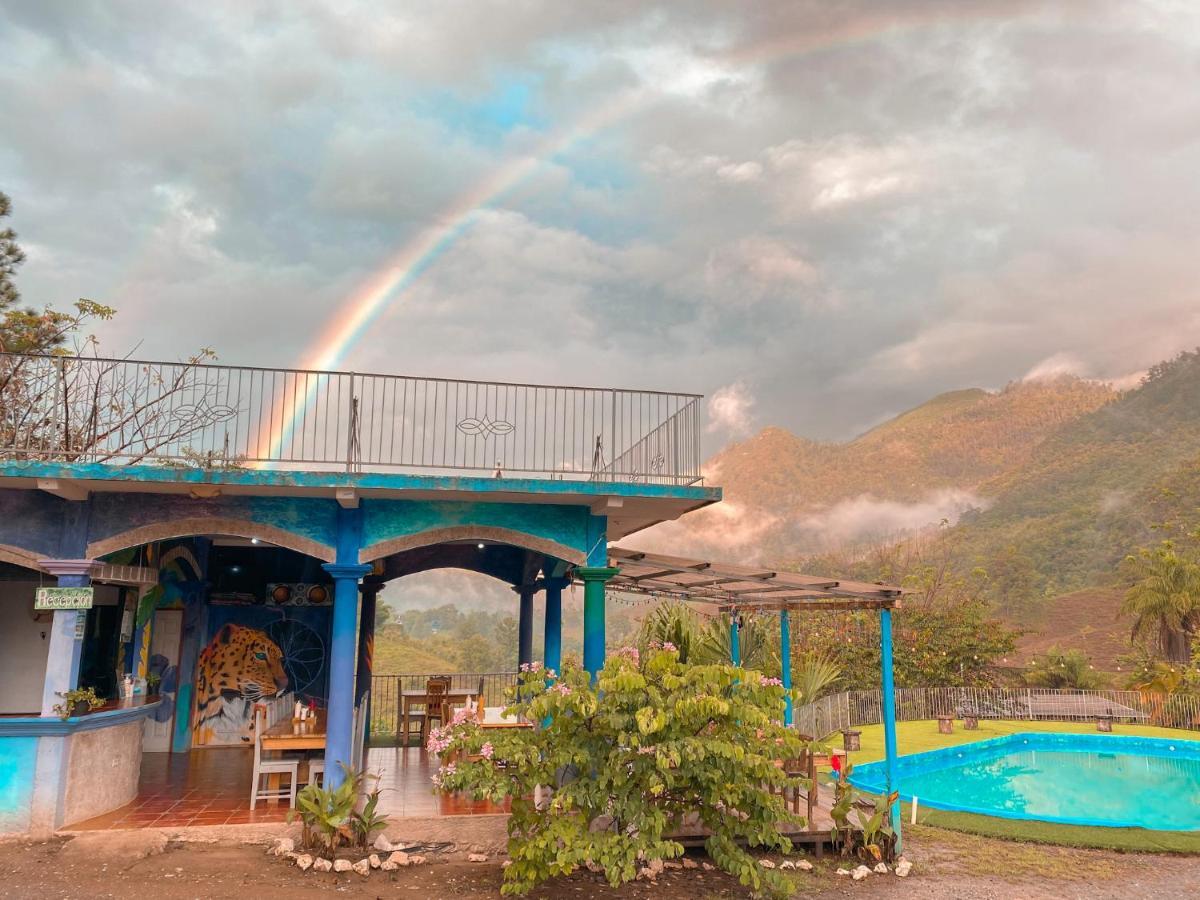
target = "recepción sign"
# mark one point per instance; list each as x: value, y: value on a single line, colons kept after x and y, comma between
x: 63, y: 598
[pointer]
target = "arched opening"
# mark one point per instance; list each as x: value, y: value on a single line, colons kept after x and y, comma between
x: 25, y: 638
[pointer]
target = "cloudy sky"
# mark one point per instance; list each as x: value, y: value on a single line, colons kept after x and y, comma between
x: 817, y: 214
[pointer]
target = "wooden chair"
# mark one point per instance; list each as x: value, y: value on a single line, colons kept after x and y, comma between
x: 264, y: 768
x: 435, y: 704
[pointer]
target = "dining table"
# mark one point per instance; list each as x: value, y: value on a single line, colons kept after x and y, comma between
x: 417, y: 697
x: 289, y: 734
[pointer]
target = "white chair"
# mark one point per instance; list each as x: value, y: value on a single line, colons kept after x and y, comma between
x: 267, y: 767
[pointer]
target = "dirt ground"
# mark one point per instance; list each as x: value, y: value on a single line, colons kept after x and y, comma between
x: 216, y: 863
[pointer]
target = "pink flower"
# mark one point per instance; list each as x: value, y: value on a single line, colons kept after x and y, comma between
x: 646, y: 751
x: 486, y: 750
x: 630, y: 653
x: 531, y: 667
x: 663, y: 645
x: 561, y: 689
x: 771, y: 682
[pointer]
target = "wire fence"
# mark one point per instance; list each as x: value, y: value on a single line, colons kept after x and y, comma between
x: 387, y: 692
x: 851, y: 709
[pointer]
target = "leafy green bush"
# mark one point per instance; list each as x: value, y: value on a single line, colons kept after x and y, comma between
x: 329, y: 816
x: 654, y: 741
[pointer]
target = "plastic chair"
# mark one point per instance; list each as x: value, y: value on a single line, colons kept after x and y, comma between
x: 266, y: 767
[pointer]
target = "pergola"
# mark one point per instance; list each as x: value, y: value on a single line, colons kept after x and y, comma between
x: 734, y: 589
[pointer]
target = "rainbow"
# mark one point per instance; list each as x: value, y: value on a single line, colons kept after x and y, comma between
x: 361, y: 308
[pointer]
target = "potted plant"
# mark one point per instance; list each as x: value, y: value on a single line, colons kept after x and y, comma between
x: 153, y: 680
x: 77, y: 702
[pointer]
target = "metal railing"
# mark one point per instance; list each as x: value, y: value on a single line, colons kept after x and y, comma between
x: 386, y: 691
x: 84, y: 409
x: 853, y: 708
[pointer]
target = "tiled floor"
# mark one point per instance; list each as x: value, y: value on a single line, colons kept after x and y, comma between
x: 212, y: 787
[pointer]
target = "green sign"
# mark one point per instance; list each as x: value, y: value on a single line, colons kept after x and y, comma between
x: 63, y: 598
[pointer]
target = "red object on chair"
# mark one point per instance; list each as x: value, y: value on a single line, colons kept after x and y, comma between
x: 836, y: 764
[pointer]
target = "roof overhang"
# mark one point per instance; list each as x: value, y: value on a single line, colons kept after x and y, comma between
x: 629, y: 507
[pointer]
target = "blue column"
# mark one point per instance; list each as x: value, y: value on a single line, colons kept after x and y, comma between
x: 346, y: 573
x: 735, y: 642
x: 66, y: 633
x: 594, y: 579
x: 889, y: 714
x: 525, y: 624
x: 552, y: 643
x: 785, y: 662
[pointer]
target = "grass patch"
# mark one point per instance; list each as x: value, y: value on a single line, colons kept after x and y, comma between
x: 917, y: 737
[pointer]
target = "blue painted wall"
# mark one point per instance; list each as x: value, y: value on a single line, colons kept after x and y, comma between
x: 18, y: 765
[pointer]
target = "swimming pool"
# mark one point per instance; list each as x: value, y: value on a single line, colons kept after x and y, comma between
x: 1076, y: 779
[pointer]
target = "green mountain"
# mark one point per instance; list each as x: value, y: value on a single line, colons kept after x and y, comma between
x: 1046, y: 486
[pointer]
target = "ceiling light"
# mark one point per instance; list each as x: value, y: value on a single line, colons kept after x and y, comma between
x: 481, y: 546
x: 254, y: 540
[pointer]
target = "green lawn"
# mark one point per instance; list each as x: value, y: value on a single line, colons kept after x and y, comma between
x: 915, y: 737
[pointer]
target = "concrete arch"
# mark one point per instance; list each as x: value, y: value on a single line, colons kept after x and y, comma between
x: 161, y: 531
x: 19, y: 556
x: 537, y: 544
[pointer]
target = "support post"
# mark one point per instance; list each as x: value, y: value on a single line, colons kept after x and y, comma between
x: 525, y: 624
x: 552, y: 641
x: 366, y: 654
x: 594, y: 580
x: 735, y: 639
x: 888, y: 686
x: 346, y: 573
x: 785, y: 662
x: 66, y: 633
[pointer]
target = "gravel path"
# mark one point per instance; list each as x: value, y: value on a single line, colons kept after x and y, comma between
x: 947, y: 866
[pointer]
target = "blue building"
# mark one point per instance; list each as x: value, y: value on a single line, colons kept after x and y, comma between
x: 233, y: 526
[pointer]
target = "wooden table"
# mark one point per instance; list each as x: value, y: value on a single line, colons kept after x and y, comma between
x: 284, y: 735
x: 408, y: 699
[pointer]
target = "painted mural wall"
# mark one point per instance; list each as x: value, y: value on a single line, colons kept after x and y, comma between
x: 258, y: 649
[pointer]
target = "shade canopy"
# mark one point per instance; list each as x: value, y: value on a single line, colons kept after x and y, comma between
x: 734, y: 587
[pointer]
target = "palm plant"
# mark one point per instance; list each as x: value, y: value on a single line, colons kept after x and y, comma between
x: 1063, y: 669
x: 672, y: 622
x: 813, y: 674
x: 1165, y: 599
x: 758, y: 643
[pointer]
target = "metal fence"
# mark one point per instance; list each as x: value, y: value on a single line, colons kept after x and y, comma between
x: 853, y: 708
x: 126, y: 411
x: 386, y: 691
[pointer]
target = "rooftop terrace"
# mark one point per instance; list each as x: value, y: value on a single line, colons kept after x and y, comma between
x: 69, y: 409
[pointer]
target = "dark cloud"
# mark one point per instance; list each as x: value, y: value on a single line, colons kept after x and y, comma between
x: 829, y: 211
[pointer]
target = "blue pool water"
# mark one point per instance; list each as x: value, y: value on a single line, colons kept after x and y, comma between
x: 1079, y: 779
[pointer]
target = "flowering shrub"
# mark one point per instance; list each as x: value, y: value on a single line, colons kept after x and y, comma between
x: 609, y: 774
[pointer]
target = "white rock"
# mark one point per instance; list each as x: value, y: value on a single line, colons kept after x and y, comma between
x: 860, y: 873
x: 655, y: 867
x: 283, y: 846
x: 416, y: 860
x: 342, y: 865
x: 476, y: 857
x: 672, y: 864
x: 707, y: 867
x: 362, y: 867
x: 786, y: 865
x: 374, y: 860
x: 382, y: 844
x: 766, y: 863
x: 804, y: 865
x: 399, y: 858
x: 645, y: 874
x: 881, y: 869
x: 903, y: 867
x: 506, y: 864
x: 320, y: 864
x: 388, y: 866
x: 843, y: 872
x: 304, y: 862
x: 690, y: 863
